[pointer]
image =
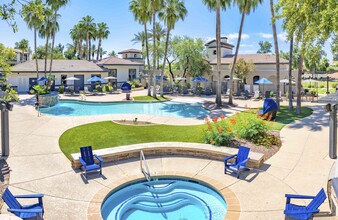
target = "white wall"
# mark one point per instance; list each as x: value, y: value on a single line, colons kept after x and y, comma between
x: 123, y: 72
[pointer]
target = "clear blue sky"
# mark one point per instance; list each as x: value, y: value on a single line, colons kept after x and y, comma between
x: 200, y: 22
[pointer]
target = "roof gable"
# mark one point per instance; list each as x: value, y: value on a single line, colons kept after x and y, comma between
x: 118, y: 61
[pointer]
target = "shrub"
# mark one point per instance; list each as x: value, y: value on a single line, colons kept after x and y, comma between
x: 61, y: 89
x: 188, y: 85
x: 322, y: 86
x: 40, y: 90
x: 333, y: 85
x: 267, y: 140
x: 272, y: 93
x: 217, y: 132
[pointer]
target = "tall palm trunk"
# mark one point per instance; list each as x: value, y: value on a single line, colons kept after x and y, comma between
x: 75, y: 48
x: 36, y: 58
x: 154, y: 48
x: 299, y: 85
x: 148, y: 60
x: 22, y: 55
x: 80, y: 50
x: 290, y: 75
x: 277, y: 53
x: 98, y: 49
x: 53, y: 42
x: 46, y: 53
x: 87, y: 44
x: 165, y: 57
x: 230, y: 102
x: 218, y: 41
x: 90, y: 49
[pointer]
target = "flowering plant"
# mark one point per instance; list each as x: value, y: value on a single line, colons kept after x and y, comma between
x: 217, y: 131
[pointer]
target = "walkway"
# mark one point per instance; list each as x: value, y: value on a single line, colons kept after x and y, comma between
x: 38, y: 166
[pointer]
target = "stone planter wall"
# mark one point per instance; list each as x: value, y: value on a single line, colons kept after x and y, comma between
x: 48, y: 100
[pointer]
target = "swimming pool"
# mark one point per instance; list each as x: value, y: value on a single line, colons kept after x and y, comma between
x: 164, y: 199
x: 81, y: 108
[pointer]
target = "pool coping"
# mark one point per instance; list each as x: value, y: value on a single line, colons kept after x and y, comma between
x: 233, y: 205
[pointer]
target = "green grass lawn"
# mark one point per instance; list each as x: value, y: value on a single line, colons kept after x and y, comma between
x: 150, y: 98
x: 321, y: 86
x: 284, y: 116
x: 109, y: 134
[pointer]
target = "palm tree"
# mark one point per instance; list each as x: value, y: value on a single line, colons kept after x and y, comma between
x: 104, y: 52
x: 156, y: 7
x: 34, y: 16
x: 89, y: 27
x: 245, y: 7
x: 218, y: 5
x: 77, y: 35
x: 46, y: 30
x: 23, y: 46
x: 142, y: 13
x: 102, y: 33
x: 160, y: 33
x: 275, y: 41
x: 112, y: 54
x: 172, y: 11
x: 92, y: 36
x: 56, y: 5
x: 94, y: 50
x: 140, y: 37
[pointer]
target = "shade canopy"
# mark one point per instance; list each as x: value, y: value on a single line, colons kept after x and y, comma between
x: 310, y: 80
x: 110, y: 77
x: 71, y: 78
x: 180, y: 78
x: 286, y: 81
x: 200, y: 79
x: 95, y: 79
x: 126, y: 87
x: 42, y: 79
x: 263, y: 81
x: 158, y: 78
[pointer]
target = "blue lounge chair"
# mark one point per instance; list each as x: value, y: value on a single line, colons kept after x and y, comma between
x: 87, y: 160
x: 27, y: 211
x: 303, y: 212
x: 269, y: 107
x: 240, y: 163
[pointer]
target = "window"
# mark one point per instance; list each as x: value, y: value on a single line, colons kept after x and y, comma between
x: 215, y: 52
x: 113, y: 72
x: 125, y: 56
x: 132, y: 74
x: 63, y: 80
x: 135, y: 55
x: 255, y: 78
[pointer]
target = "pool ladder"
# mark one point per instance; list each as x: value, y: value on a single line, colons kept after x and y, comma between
x: 144, y: 166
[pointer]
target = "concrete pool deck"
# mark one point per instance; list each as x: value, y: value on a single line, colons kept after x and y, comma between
x: 38, y: 166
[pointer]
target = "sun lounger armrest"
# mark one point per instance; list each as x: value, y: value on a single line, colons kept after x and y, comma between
x: 99, y: 158
x: 29, y: 196
x: 243, y: 162
x: 229, y: 157
x: 82, y: 162
x: 293, y: 196
x: 36, y: 210
x: 300, y: 211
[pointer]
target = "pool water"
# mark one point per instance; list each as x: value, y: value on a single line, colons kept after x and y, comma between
x: 173, y: 109
x: 164, y: 199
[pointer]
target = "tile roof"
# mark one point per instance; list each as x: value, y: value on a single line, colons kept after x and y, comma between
x: 130, y: 51
x: 19, y: 51
x: 59, y: 66
x: 255, y: 58
x: 118, y: 61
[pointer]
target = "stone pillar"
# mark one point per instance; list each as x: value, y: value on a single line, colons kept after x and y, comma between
x: 4, y: 133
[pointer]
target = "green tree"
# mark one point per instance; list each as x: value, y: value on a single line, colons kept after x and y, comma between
x: 171, y: 13
x: 324, y: 64
x: 69, y: 52
x: 7, y: 13
x: 102, y: 33
x: 245, y: 7
x: 217, y: 5
x: 88, y: 26
x: 6, y: 55
x: 264, y: 47
x: 295, y: 57
x: 78, y: 34
x: 334, y: 47
x: 33, y: 13
x: 112, y: 54
x: 142, y: 13
x: 23, y: 46
x: 243, y: 68
x: 55, y: 5
x: 312, y: 57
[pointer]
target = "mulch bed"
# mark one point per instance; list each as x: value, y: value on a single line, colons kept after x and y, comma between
x: 267, y: 151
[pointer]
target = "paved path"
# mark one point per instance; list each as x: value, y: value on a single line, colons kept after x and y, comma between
x: 38, y: 165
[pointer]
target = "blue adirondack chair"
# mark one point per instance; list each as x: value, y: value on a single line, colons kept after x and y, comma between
x: 88, y: 162
x: 303, y: 212
x: 27, y: 211
x: 240, y: 163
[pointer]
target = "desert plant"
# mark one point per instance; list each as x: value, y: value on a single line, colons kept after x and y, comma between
x: 61, y: 89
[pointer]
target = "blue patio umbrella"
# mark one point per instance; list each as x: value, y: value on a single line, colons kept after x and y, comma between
x: 42, y: 79
x: 200, y: 79
x: 95, y: 79
x: 158, y: 78
x: 263, y: 82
